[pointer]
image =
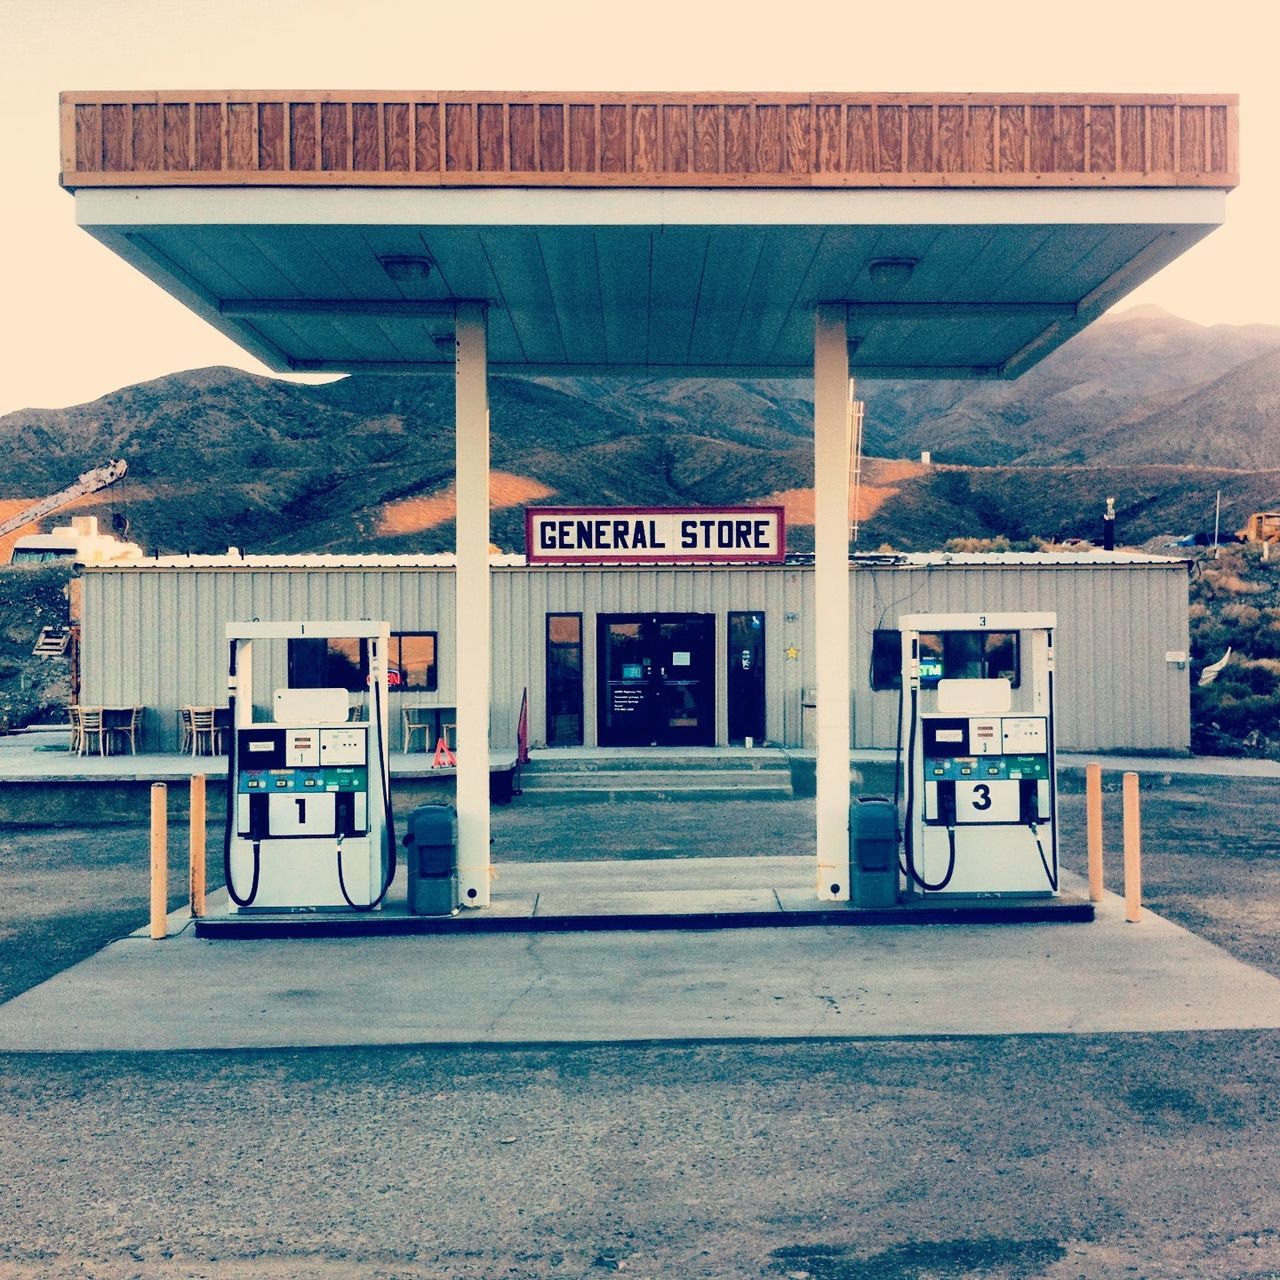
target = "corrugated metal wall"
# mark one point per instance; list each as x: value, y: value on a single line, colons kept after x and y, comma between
x: 154, y: 636
x: 1115, y: 625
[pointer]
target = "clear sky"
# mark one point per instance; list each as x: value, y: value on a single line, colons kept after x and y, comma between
x: 76, y: 322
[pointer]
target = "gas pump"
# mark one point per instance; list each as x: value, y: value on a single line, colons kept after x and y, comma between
x: 980, y: 813
x: 308, y: 796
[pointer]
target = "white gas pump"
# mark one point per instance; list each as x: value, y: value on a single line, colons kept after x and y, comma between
x: 980, y: 811
x: 308, y: 793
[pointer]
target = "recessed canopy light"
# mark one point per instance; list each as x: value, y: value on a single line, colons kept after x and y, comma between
x: 444, y: 341
x: 404, y: 268
x: 887, y: 271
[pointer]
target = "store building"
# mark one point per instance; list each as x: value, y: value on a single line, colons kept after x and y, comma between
x: 632, y: 656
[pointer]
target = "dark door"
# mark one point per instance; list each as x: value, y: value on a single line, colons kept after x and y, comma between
x: 657, y: 680
x: 746, y: 677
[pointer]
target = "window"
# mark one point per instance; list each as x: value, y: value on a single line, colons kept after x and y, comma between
x: 951, y: 655
x: 564, y: 679
x: 342, y: 662
x: 339, y: 662
x: 411, y: 665
x: 886, y: 659
x: 40, y: 555
x: 746, y: 676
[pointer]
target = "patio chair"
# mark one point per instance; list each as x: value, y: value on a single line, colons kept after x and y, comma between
x: 418, y: 720
x: 93, y: 731
x: 184, y: 725
x: 206, y: 733
x: 126, y: 726
x: 74, y: 713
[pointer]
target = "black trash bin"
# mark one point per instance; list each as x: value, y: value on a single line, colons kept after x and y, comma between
x: 873, y: 852
x: 432, y: 844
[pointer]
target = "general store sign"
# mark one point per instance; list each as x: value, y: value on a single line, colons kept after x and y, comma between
x: 654, y: 535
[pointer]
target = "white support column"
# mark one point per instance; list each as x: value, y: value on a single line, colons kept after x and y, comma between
x: 471, y: 585
x: 831, y: 594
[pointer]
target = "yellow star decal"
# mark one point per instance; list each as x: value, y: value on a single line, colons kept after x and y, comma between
x: 792, y: 652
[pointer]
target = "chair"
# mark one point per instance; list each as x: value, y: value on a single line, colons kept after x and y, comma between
x: 74, y: 713
x: 92, y: 729
x: 418, y: 720
x: 184, y: 724
x: 205, y: 732
x: 127, y: 727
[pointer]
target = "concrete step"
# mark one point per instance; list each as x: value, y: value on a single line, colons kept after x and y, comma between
x: 706, y: 784
x: 556, y: 761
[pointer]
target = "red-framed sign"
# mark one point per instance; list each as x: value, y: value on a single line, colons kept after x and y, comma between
x: 655, y: 535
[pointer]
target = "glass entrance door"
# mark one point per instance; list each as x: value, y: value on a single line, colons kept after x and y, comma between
x: 657, y: 680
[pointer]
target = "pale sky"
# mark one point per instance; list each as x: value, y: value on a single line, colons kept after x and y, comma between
x: 77, y: 322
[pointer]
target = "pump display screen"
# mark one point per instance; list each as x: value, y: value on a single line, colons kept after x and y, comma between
x: 946, y: 736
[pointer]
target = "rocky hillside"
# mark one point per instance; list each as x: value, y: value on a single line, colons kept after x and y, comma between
x: 1157, y: 412
x: 31, y: 688
x: 1235, y: 606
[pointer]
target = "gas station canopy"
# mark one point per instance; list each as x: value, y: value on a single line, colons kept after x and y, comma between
x: 908, y: 236
x: 967, y: 236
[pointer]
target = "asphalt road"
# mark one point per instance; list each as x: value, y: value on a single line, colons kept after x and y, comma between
x: 1058, y: 1157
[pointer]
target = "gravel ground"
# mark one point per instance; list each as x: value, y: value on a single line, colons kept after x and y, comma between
x: 1103, y: 1157
x: 1058, y: 1157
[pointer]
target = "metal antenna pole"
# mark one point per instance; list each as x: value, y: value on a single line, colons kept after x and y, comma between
x: 857, y: 411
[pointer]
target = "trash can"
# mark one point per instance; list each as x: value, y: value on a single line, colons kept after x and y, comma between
x: 432, y: 844
x: 873, y: 852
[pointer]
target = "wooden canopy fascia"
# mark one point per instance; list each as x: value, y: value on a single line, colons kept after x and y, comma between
x: 312, y: 138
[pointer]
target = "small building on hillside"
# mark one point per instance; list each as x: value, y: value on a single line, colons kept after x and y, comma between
x: 639, y: 655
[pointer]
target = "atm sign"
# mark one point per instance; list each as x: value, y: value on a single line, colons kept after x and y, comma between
x: 656, y: 535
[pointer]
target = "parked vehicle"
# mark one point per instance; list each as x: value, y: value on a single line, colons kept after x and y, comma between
x: 1263, y: 526
x: 80, y: 542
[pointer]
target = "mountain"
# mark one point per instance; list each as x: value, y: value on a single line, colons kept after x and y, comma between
x: 1231, y: 421
x: 1152, y: 410
x: 1121, y: 368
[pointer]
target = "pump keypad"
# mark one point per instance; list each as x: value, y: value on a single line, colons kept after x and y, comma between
x: 959, y: 768
x: 331, y: 778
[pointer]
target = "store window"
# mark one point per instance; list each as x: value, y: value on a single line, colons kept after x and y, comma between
x: 949, y: 655
x: 412, y: 665
x: 336, y: 662
x: 342, y: 662
x: 564, y: 679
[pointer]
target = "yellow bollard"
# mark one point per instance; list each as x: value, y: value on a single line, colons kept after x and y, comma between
x: 196, y: 843
x: 159, y: 860
x: 1093, y: 826
x: 1132, y: 850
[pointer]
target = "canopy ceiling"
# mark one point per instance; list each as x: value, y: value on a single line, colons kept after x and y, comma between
x: 648, y: 272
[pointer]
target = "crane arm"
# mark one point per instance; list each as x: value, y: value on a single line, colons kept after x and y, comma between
x: 89, y: 482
